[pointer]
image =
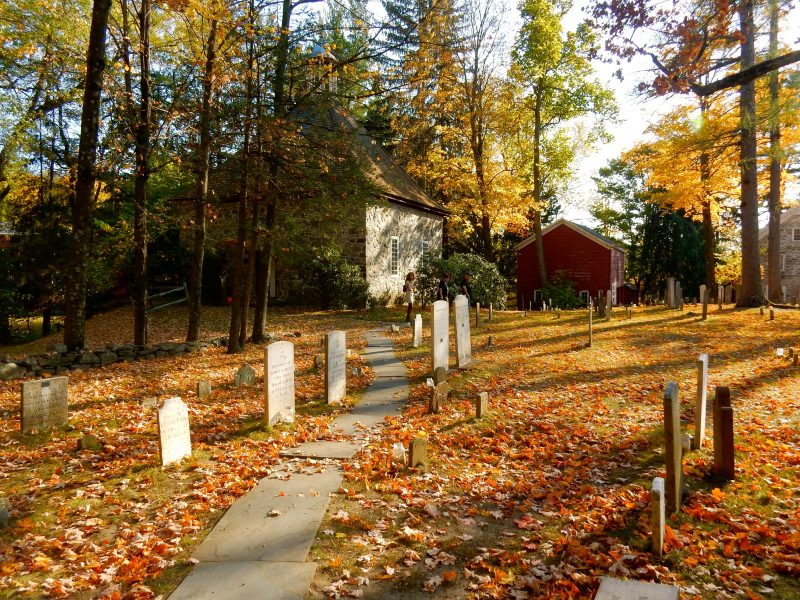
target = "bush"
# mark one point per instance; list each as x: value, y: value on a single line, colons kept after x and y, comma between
x: 488, y: 285
x: 335, y: 283
x: 561, y: 292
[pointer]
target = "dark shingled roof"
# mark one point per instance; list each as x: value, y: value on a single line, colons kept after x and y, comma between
x: 599, y: 236
x: 378, y: 167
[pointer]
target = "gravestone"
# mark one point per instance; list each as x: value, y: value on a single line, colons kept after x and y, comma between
x: 761, y: 310
x: 416, y: 336
x: 771, y: 314
x: 678, y: 295
x: 44, y: 404
x: 700, y: 402
x: 672, y: 447
x: 670, y: 292
x: 245, y: 376
x: 728, y: 294
x: 279, y: 383
x: 631, y: 589
x: 704, y: 300
x: 477, y: 315
x: 657, y: 515
x: 440, y: 335
x: 481, y: 404
x: 438, y: 397
x: 439, y: 375
x: 608, y: 305
x: 203, y: 389
x: 489, y: 341
x: 174, y: 438
x: 720, y: 296
x: 418, y: 452
x: 319, y: 359
x: 335, y: 366
x: 463, y: 341
x: 724, y: 451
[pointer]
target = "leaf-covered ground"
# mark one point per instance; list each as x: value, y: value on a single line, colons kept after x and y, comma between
x: 551, y: 490
x: 112, y: 522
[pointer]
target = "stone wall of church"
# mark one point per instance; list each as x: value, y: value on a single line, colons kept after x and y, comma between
x: 790, y: 249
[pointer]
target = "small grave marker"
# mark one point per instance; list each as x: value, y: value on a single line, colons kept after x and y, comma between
x: 700, y: 402
x: 657, y: 515
x: 463, y: 341
x: 44, y: 404
x: 771, y: 314
x: 418, y: 452
x: 761, y: 310
x: 416, y: 336
x: 438, y: 397
x: 440, y: 335
x: 245, y: 376
x: 724, y: 451
x: 335, y: 366
x: 481, y: 404
x: 672, y: 447
x: 279, y: 383
x: 174, y: 438
x: 439, y: 375
x: 203, y: 389
x: 150, y: 402
x: 489, y: 342
x: 631, y: 589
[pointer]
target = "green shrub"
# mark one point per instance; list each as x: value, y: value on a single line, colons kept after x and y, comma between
x: 488, y: 285
x: 334, y: 283
x: 560, y: 291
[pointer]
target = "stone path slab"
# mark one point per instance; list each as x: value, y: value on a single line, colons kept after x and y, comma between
x: 323, y: 449
x: 631, y: 589
x: 247, y: 532
x: 252, y: 580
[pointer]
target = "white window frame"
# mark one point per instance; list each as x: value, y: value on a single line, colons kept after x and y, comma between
x: 584, y: 296
x: 783, y: 262
x: 537, y: 296
x: 394, y: 261
x: 796, y: 234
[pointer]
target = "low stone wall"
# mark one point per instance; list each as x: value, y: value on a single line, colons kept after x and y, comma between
x: 61, y: 361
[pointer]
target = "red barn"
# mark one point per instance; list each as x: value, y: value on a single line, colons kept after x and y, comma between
x: 591, y: 261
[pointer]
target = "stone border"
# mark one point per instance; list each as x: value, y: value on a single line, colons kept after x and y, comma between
x: 61, y: 361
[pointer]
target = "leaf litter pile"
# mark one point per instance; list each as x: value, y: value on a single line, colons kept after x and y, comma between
x: 550, y: 491
x: 111, y: 522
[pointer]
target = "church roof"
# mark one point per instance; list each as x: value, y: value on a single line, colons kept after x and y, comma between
x: 582, y: 229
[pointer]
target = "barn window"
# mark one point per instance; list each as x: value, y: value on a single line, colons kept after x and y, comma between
x: 537, y: 296
x: 394, y: 256
x: 584, y: 295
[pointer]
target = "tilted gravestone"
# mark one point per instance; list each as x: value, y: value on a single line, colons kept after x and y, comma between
x: 44, y: 404
x: 440, y: 335
x: 416, y: 339
x: 279, y: 383
x: 463, y: 339
x: 700, y: 402
x: 418, y: 452
x: 203, y: 389
x: 657, y: 515
x: 174, y: 437
x: 245, y: 376
x: 673, y: 453
x: 335, y: 366
x: 481, y: 404
x: 438, y: 397
x: 724, y: 451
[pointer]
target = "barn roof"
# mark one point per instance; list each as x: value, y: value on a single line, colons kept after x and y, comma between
x: 604, y: 241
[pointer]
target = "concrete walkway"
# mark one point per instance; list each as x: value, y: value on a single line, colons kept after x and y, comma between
x: 258, y: 549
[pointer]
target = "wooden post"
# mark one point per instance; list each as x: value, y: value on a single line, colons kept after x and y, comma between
x: 724, y: 452
x: 700, y: 402
x: 477, y: 315
x: 590, y: 322
x: 657, y: 515
x: 481, y: 404
x: 672, y: 447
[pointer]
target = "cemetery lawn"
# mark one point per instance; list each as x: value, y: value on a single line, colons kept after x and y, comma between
x: 112, y: 520
x: 550, y: 491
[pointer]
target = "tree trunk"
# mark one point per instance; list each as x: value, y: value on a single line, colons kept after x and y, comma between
x: 47, y: 321
x: 141, y: 180
x: 262, y: 277
x: 775, y: 289
x: 708, y: 223
x: 537, y: 185
x: 83, y: 203
x: 750, y: 292
x: 203, y: 168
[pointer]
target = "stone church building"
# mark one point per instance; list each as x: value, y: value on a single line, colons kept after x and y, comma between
x: 790, y: 253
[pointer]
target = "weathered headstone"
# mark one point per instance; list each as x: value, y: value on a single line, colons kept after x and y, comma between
x: 279, y: 383
x: 477, y: 315
x: 678, y: 295
x: 174, y: 438
x: 44, y: 404
x: 440, y: 335
x: 608, y: 305
x: 416, y: 335
x: 673, y: 453
x: 245, y: 376
x: 704, y: 300
x: 335, y: 366
x: 203, y: 389
x: 438, y: 397
x: 632, y: 589
x: 89, y: 442
x: 771, y: 314
x: 149, y: 402
x: 481, y: 404
x: 700, y: 402
x: 728, y: 294
x: 439, y: 375
x: 657, y: 515
x: 319, y: 359
x: 463, y: 339
x: 720, y: 296
x: 670, y: 299
x: 418, y: 452
x: 724, y: 452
